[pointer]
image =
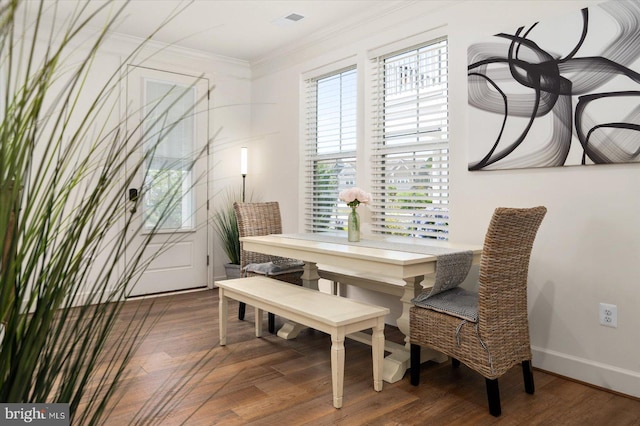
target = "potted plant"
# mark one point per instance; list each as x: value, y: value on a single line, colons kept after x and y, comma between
x: 64, y: 233
x: 226, y: 226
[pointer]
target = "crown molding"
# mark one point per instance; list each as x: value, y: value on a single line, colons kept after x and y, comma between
x: 119, y: 44
x: 174, y: 49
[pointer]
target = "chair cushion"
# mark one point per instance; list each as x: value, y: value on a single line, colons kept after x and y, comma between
x: 275, y: 268
x: 457, y: 302
x: 451, y: 270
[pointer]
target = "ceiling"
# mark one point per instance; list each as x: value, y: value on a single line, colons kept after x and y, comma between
x: 250, y: 30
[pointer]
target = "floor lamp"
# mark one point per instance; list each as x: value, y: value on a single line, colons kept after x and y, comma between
x: 243, y: 167
x: 243, y: 172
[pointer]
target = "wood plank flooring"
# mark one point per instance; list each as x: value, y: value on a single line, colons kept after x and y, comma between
x: 180, y: 375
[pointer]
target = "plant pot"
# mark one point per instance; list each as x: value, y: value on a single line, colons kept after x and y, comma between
x: 232, y: 270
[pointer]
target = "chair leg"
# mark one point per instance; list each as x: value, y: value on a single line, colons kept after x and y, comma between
x: 527, y: 373
x: 493, y: 394
x: 415, y: 364
x: 272, y: 323
x: 241, y: 308
x: 455, y: 362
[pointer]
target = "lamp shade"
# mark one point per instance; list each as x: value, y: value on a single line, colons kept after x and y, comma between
x: 243, y: 160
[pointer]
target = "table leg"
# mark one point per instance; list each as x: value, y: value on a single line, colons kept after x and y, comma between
x: 337, y: 366
x: 290, y: 330
x: 258, y: 321
x: 222, y: 318
x: 377, y: 353
x: 397, y: 363
x: 310, y: 277
x: 412, y: 288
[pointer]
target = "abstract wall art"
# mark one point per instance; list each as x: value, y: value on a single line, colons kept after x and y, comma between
x: 558, y: 93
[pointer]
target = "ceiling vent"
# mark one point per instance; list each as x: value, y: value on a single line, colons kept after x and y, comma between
x: 294, y: 17
x: 290, y: 19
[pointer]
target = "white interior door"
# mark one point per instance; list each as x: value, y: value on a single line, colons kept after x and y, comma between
x: 167, y: 115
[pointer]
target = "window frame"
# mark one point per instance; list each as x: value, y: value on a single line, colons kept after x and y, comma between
x: 323, y: 211
x: 368, y: 155
x: 427, y: 155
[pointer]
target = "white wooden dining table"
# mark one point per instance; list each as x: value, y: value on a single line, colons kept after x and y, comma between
x: 398, y: 267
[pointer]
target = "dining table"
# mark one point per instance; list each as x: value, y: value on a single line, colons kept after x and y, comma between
x: 399, y: 267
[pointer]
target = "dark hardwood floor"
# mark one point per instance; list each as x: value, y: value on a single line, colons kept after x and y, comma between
x: 180, y: 375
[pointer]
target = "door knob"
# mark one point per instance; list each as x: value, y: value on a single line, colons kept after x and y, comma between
x: 133, y: 194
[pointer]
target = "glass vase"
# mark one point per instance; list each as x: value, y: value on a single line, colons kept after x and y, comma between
x: 353, y: 226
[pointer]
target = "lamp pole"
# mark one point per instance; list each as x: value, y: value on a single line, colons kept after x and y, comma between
x: 243, y: 167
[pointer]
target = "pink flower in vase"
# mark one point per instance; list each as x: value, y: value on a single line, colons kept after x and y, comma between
x: 354, y: 196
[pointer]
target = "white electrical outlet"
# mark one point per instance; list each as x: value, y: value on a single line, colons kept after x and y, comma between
x: 609, y: 315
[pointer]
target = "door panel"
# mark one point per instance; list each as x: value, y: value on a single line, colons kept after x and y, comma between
x: 168, y: 113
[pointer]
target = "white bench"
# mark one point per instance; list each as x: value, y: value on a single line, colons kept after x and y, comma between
x: 331, y: 314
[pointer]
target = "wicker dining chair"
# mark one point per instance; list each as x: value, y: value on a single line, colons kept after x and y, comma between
x: 498, y: 339
x: 256, y: 219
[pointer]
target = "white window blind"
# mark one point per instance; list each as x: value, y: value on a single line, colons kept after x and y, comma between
x: 170, y: 124
x: 330, y: 149
x: 410, y: 181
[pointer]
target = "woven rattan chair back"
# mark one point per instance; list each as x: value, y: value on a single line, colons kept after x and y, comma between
x: 257, y: 219
x: 504, y: 266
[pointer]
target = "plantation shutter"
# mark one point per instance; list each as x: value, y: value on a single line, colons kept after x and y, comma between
x: 330, y: 148
x: 410, y: 170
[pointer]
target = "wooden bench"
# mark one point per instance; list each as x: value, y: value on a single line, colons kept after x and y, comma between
x: 331, y: 314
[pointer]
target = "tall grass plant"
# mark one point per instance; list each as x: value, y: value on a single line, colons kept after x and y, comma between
x: 68, y: 257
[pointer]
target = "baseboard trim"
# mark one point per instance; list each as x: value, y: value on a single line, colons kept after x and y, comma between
x: 597, y: 374
x: 168, y: 293
x: 591, y: 385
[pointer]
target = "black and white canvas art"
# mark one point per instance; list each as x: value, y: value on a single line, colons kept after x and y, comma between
x: 558, y: 93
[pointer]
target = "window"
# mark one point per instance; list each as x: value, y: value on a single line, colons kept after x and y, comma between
x: 170, y: 123
x: 330, y: 151
x: 410, y: 178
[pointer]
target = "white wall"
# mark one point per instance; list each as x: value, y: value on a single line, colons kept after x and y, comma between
x: 587, y: 250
